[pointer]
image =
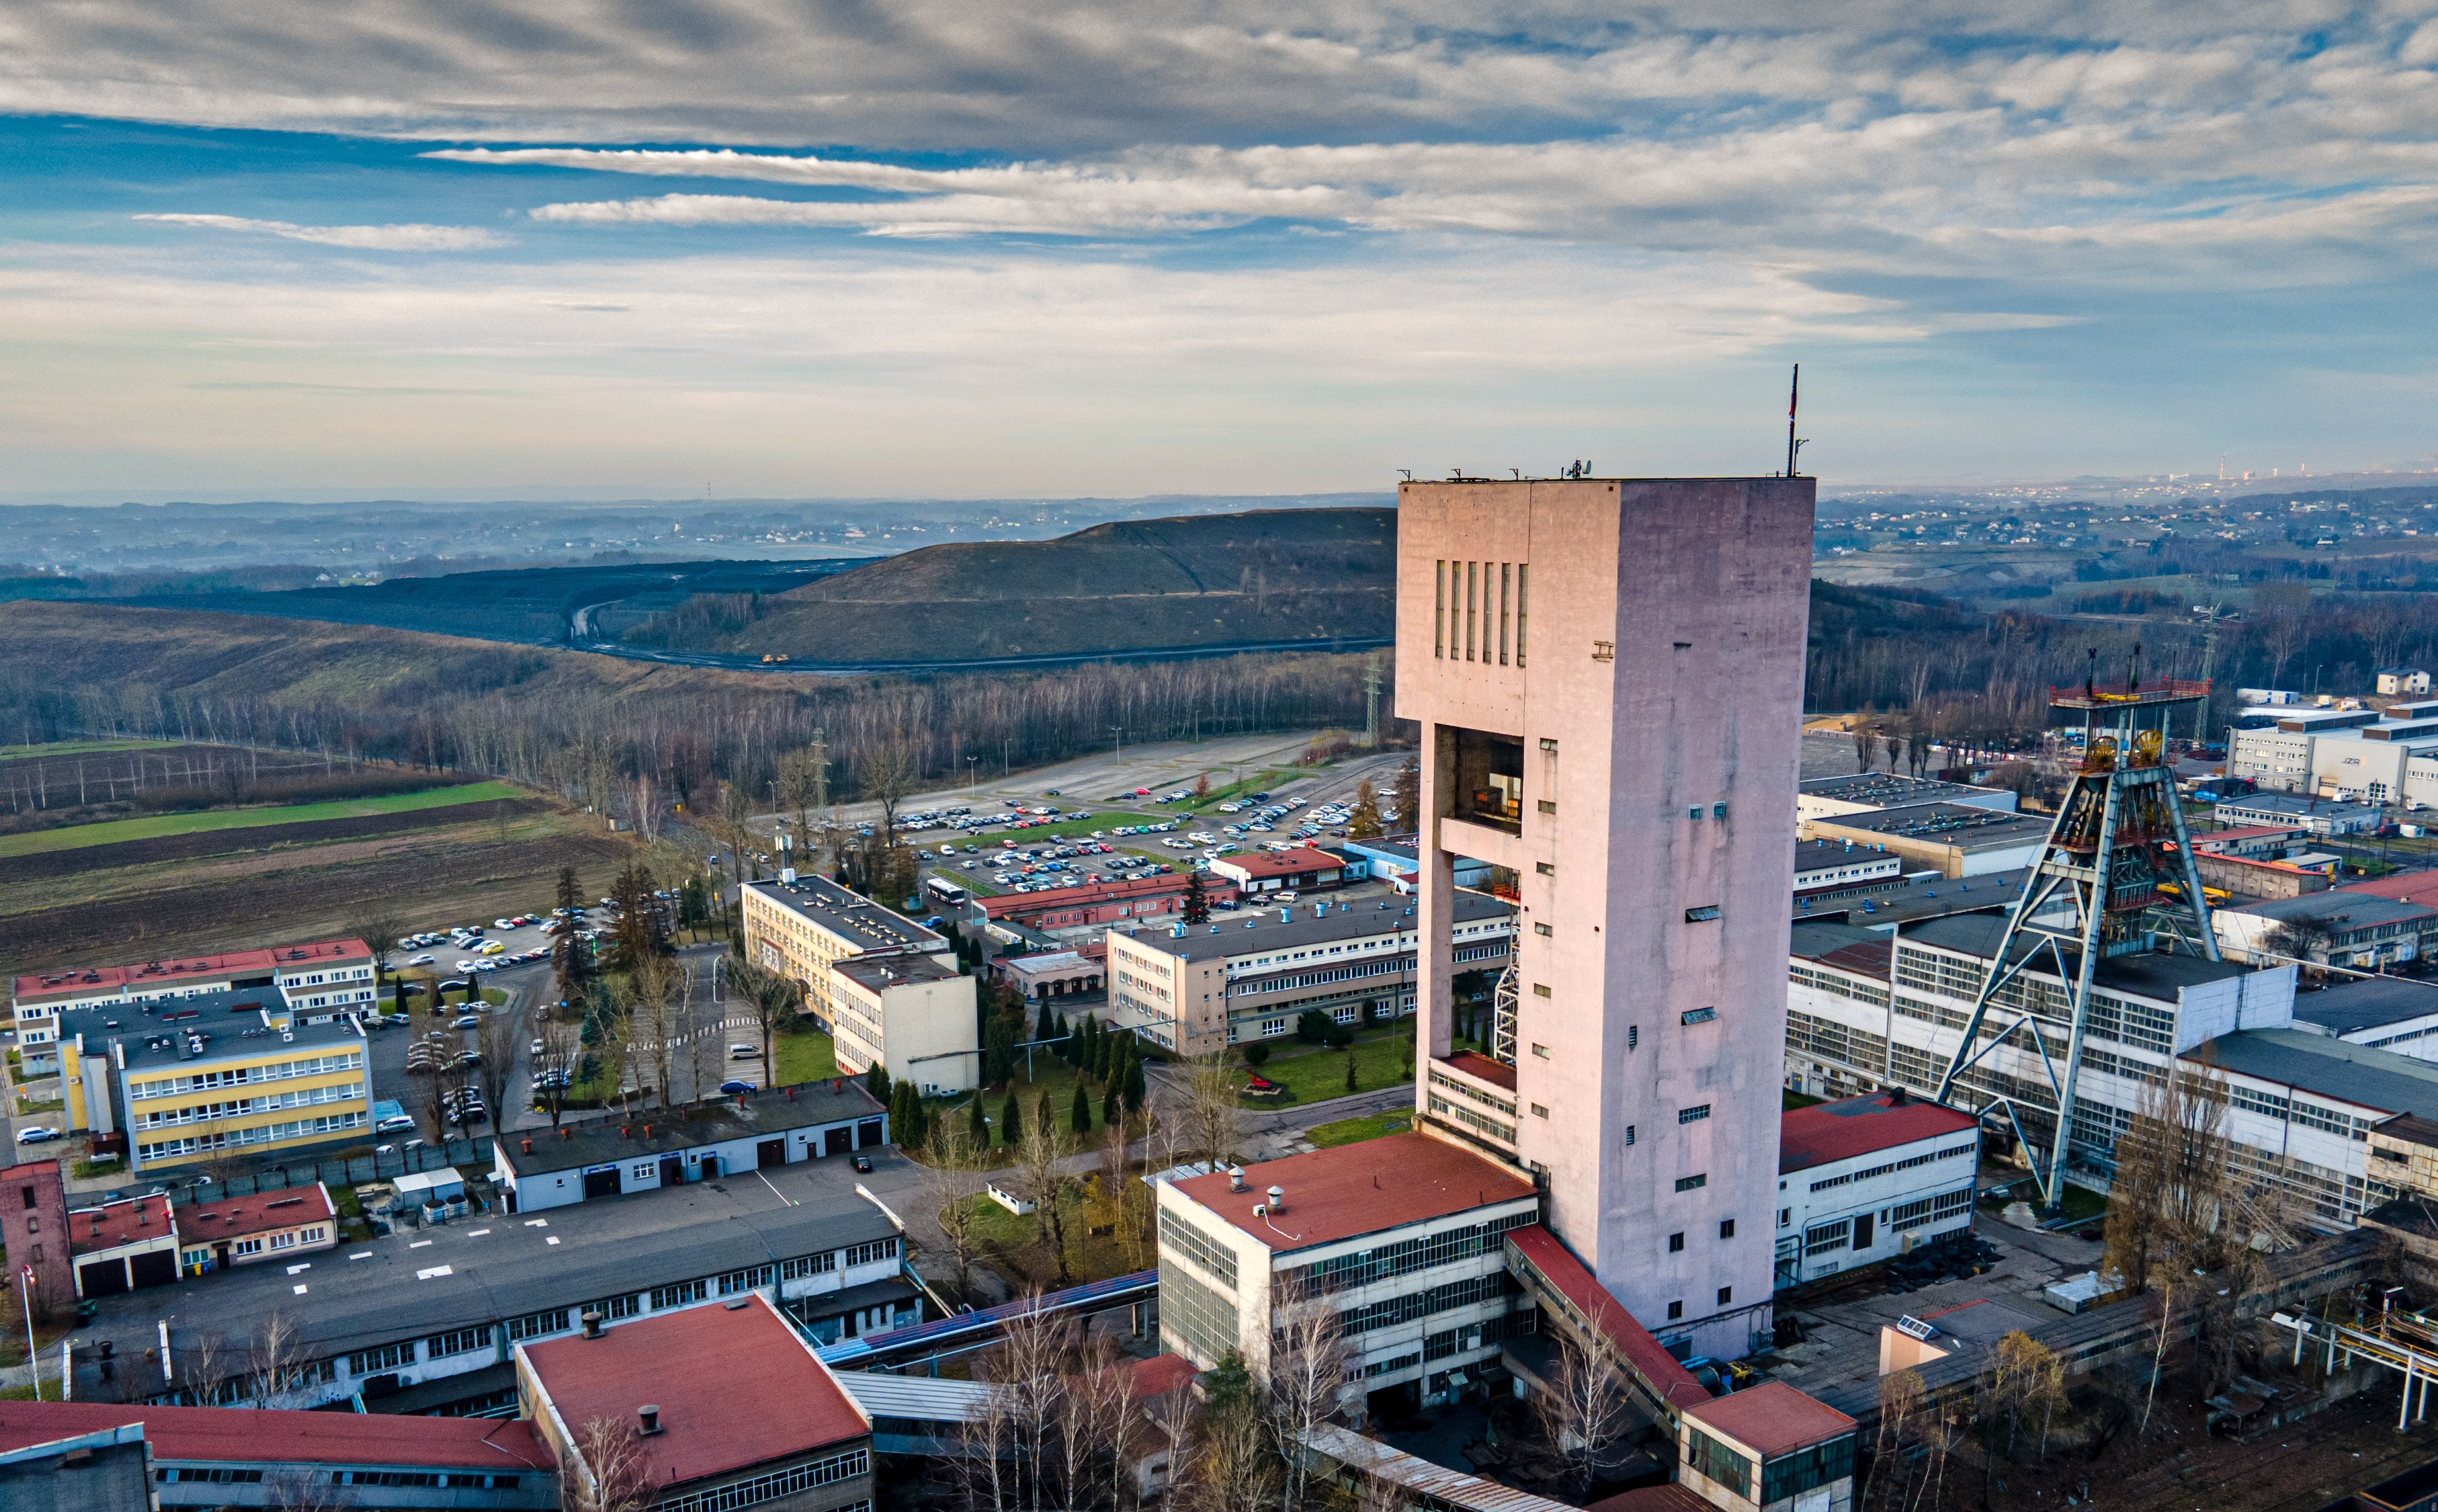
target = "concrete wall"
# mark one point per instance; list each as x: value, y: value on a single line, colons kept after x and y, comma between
x: 1663, y: 666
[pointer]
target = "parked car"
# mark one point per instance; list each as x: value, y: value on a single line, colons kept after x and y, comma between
x: 734, y: 1088
x: 863, y: 1163
x: 465, y: 1021
x: 36, y: 1134
x: 745, y: 1052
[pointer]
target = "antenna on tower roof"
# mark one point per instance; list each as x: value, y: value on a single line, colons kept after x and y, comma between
x: 1793, y: 394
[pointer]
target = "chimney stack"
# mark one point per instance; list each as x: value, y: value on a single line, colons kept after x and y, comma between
x: 592, y: 1324
x: 648, y: 1417
x: 528, y: 1143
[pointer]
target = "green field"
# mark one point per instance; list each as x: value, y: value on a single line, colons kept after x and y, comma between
x: 153, y: 826
x: 802, y: 1057
x: 1315, y: 1073
x: 82, y: 747
x: 1354, y: 1131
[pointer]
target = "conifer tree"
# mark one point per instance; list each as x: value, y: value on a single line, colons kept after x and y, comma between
x: 1079, y: 1117
x: 1011, y: 1121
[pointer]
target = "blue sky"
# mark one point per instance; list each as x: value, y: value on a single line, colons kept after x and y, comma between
x: 935, y: 249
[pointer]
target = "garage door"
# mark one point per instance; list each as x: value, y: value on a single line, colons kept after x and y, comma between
x: 836, y: 1141
x: 157, y: 1268
x: 770, y: 1152
x: 867, y: 1133
x: 601, y: 1183
x: 102, y: 1278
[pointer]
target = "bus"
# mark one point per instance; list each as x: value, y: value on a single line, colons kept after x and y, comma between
x: 944, y: 891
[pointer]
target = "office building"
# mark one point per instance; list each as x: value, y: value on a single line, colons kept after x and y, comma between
x: 909, y: 1013
x: 1608, y: 676
x: 1403, y: 1235
x: 177, y: 1081
x: 803, y: 927
x: 316, y: 981
x: 724, y: 1407
x: 1251, y: 976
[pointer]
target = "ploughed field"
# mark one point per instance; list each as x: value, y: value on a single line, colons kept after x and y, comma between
x: 129, y: 884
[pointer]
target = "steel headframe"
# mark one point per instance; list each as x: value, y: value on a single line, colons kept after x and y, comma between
x: 2119, y: 836
x: 1503, y: 1007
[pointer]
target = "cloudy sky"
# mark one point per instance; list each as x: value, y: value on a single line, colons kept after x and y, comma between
x: 813, y: 247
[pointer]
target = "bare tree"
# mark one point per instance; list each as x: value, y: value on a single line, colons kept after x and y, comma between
x: 1170, y: 1416
x: 800, y: 790
x: 947, y: 1181
x: 605, y: 1469
x: 885, y: 772
x: 1029, y: 1368
x: 1307, y: 1372
x: 1038, y: 1155
x: 379, y: 929
x: 562, y: 1051
x: 1886, y: 1485
x: 301, y: 1491
x: 647, y: 809
x: 988, y: 1438
x: 502, y: 1032
x: 205, y: 1371
x: 276, y: 1366
x: 1583, y: 1409
x: 774, y: 999
x: 1214, y: 1110
x: 1235, y: 1472
x: 653, y: 1014
x: 702, y: 1024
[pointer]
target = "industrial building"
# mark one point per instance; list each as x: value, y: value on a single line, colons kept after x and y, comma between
x: 539, y: 1169
x: 315, y: 982
x: 1403, y: 1236
x: 174, y: 1082
x: 1837, y: 866
x: 1867, y: 1178
x: 1952, y: 839
x: 1300, y: 868
x: 1122, y: 902
x: 2364, y: 756
x: 2338, y: 928
x: 698, y: 1390
x: 1608, y: 676
x: 1249, y: 978
x: 1822, y: 798
x: 2320, y: 816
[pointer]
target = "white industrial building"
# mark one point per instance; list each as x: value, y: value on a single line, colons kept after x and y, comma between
x: 2369, y: 756
x: 1867, y: 1178
x: 1820, y: 797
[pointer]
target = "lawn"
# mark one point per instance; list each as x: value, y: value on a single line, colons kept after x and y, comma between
x: 803, y: 1056
x: 83, y: 748
x: 1789, y: 1100
x: 1050, y: 1075
x: 153, y: 826
x: 1259, y: 782
x: 1011, y: 1243
x: 1313, y: 1073
x: 1063, y: 829
x: 1354, y: 1131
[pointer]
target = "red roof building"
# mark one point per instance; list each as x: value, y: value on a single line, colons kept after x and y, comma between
x: 1585, y: 1308
x: 1102, y: 902
x: 120, y: 1246
x: 2407, y: 887
x: 723, y: 1398
x: 1765, y: 1445
x: 1836, y: 1131
x: 1259, y: 871
x: 243, y: 1230
x: 1354, y: 1189
x: 506, y: 1461
x: 34, y: 1231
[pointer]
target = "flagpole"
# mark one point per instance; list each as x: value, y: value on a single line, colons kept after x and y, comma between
x: 24, y: 1300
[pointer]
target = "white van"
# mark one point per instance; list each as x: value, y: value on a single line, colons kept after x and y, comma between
x: 745, y: 1052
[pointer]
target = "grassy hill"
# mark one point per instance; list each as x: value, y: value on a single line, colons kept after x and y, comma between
x: 1283, y: 574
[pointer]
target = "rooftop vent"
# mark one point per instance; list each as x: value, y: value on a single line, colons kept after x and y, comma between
x: 592, y: 1324
x: 1278, y: 1196
x: 1235, y: 1178
x: 648, y: 1420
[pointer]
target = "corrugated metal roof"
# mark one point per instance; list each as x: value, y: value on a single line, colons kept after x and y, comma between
x: 1413, y: 1474
x: 927, y: 1398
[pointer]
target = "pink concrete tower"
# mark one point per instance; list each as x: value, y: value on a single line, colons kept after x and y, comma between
x: 1609, y: 678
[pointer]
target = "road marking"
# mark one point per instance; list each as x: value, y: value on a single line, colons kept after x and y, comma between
x: 476, y: 1232
x: 307, y: 1266
x: 361, y: 1255
x: 552, y: 1240
x: 776, y: 1192
x: 420, y: 1244
x: 436, y: 1271
x: 537, y: 1223
x: 300, y: 1290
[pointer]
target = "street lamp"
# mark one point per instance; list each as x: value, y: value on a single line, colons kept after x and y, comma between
x: 973, y: 775
x: 1118, y: 733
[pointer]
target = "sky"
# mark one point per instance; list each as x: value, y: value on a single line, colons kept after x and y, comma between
x: 810, y: 247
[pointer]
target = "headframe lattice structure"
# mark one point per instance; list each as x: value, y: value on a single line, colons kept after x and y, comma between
x: 2115, y: 875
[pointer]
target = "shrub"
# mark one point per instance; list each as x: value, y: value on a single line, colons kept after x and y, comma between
x: 1256, y: 1053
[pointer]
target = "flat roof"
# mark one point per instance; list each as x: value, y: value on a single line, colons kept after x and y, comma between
x: 1279, y: 863
x: 849, y: 915
x: 2353, y: 909
x: 1814, y: 855
x: 1358, y: 1188
x: 1662, y: 1372
x: 882, y: 971
x: 759, y: 1115
x: 253, y: 1435
x: 229, y: 1031
x: 501, y: 1265
x: 1772, y: 1419
x: 2294, y: 804
x: 717, y: 1373
x: 1497, y: 1073
x: 1862, y: 951
x: 1858, y: 1126
x: 235, y: 1216
x: 151, y: 977
x: 1010, y: 904
x: 1886, y: 903
x: 2246, y: 832
x: 2157, y: 974
x: 1883, y: 789
x: 2330, y: 1068
x: 1964, y: 825
x: 1264, y: 930
x: 2405, y: 886
x: 2349, y: 1007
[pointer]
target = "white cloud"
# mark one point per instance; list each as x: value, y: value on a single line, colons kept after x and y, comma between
x: 362, y: 239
